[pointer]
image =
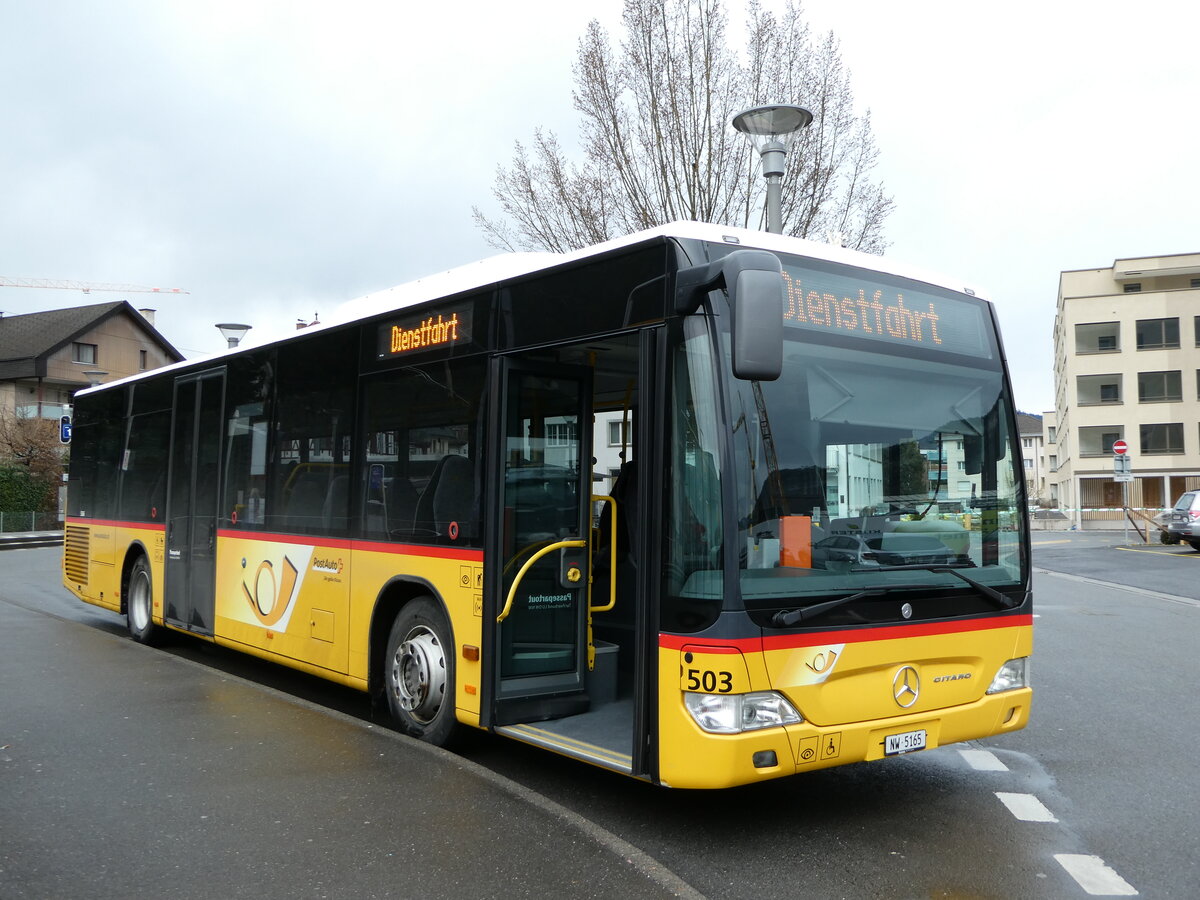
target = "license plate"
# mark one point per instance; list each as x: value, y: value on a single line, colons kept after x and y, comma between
x: 906, y: 742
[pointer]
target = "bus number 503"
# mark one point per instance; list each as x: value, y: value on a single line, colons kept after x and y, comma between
x: 709, y: 682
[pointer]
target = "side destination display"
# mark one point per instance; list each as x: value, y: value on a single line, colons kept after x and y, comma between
x: 402, y: 337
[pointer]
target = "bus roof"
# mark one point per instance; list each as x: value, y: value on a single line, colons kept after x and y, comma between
x: 511, y: 266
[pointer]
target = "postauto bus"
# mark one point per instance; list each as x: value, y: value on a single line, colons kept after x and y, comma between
x: 813, y: 554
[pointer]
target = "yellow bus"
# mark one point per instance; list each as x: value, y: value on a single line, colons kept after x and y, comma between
x: 814, y: 550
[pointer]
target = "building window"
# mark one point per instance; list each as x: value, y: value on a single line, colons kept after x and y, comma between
x: 1134, y: 287
x: 1053, y: 463
x: 1159, y: 387
x: 143, y: 360
x: 1098, y: 337
x: 1157, y: 334
x: 1029, y: 463
x: 1094, y: 389
x: 618, y: 434
x: 1027, y: 443
x: 1051, y: 434
x: 1196, y: 326
x: 1162, y: 439
x: 1196, y: 282
x: 560, y: 434
x: 84, y: 353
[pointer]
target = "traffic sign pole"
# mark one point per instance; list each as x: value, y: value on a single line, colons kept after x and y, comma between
x: 1123, y: 473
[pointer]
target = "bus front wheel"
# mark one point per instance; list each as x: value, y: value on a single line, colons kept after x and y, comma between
x: 419, y: 674
x: 139, y: 604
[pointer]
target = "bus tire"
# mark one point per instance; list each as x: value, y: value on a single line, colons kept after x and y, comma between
x: 139, y: 604
x: 419, y: 672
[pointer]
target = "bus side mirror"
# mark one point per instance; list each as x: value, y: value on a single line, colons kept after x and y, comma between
x: 753, y: 281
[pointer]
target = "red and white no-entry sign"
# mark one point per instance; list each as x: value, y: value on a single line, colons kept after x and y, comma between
x: 1120, y: 448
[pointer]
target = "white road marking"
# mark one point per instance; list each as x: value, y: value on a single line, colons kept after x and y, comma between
x: 1094, y: 876
x: 1112, y: 585
x: 983, y: 760
x: 1026, y: 807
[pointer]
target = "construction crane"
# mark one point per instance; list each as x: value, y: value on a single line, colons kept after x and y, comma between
x: 86, y: 286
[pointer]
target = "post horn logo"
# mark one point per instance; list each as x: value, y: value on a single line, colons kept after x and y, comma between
x: 906, y: 687
x: 272, y: 595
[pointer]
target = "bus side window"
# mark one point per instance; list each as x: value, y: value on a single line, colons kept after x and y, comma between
x: 313, y: 421
x: 144, y: 468
x: 419, y: 476
x: 247, y: 400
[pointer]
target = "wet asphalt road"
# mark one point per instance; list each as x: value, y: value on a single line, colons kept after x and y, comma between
x: 1107, y: 755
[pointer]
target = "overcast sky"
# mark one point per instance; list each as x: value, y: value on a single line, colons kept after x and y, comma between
x: 278, y: 158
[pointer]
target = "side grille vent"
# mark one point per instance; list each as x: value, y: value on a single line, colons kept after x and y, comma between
x: 76, y: 544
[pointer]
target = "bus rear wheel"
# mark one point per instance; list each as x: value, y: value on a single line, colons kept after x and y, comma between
x: 419, y: 673
x: 139, y: 604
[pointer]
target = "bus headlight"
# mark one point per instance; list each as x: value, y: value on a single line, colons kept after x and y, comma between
x: 1012, y: 675
x: 735, y: 713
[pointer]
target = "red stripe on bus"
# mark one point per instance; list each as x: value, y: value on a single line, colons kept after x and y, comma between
x: 465, y: 554
x: 116, y: 523
x: 849, y: 636
x: 426, y: 550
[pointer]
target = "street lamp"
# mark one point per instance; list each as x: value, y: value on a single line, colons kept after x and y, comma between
x: 233, y: 332
x: 771, y: 130
x: 94, y: 376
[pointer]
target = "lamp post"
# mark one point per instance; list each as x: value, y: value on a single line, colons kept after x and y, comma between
x: 233, y: 332
x: 771, y: 130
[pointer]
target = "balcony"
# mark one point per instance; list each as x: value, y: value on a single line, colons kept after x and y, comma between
x: 43, y: 411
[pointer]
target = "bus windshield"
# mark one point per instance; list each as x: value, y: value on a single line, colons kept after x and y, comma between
x: 881, y: 458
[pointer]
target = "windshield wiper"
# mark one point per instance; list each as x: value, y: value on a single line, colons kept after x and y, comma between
x: 786, y: 618
x: 986, y: 590
x: 1001, y: 601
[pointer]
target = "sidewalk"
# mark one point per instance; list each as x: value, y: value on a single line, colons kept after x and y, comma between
x: 10, y: 540
x: 128, y: 772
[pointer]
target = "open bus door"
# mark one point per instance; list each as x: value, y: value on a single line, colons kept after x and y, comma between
x: 544, y: 525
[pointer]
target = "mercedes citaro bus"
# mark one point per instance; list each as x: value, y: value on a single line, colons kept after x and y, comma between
x: 814, y: 551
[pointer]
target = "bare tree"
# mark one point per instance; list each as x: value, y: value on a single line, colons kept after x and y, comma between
x: 30, y: 447
x: 658, y: 145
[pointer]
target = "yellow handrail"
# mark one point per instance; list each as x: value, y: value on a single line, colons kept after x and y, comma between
x: 612, y: 558
x: 512, y: 591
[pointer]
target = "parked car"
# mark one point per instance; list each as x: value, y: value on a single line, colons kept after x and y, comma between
x: 843, y: 551
x: 1182, y: 521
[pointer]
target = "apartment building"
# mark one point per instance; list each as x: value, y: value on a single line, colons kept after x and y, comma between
x: 1126, y: 368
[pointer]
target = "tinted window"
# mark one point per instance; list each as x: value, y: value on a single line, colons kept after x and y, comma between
x: 144, y: 467
x: 248, y: 394
x: 421, y: 457
x: 309, y: 467
x: 591, y: 299
x: 97, y: 439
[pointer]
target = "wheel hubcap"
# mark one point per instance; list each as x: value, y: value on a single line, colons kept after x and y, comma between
x: 139, y: 602
x: 419, y: 674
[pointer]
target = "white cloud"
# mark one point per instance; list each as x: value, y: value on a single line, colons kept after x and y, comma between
x: 278, y: 158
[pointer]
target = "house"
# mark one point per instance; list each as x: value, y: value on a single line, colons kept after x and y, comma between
x: 46, y: 357
x: 1030, y: 428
